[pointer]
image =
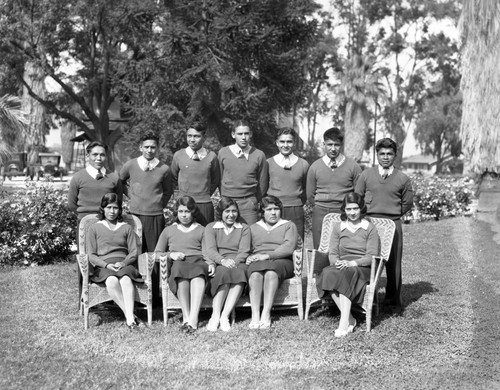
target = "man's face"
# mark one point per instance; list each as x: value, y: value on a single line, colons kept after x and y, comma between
x: 97, y: 157
x: 148, y: 149
x: 195, y: 139
x: 332, y: 148
x: 285, y: 144
x: 385, y: 157
x: 242, y: 135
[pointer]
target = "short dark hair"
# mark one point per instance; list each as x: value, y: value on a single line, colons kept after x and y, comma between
x: 191, y: 206
x: 109, y: 198
x: 93, y: 144
x: 334, y: 134
x: 149, y: 136
x: 286, y: 131
x: 198, y: 124
x: 386, y: 143
x: 223, y: 204
x: 353, y: 197
x: 240, y: 123
x: 266, y: 201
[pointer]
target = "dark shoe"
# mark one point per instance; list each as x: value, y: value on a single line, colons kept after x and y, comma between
x: 139, y: 322
x: 190, y: 330
x: 133, y: 326
x: 184, y: 327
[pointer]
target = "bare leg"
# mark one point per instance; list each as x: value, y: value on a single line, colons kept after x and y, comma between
x: 336, y: 299
x: 197, y: 291
x: 218, y: 302
x: 270, y: 287
x: 128, y: 291
x: 184, y: 297
x: 256, y: 283
x: 345, y: 312
x: 232, y: 297
x: 115, y: 292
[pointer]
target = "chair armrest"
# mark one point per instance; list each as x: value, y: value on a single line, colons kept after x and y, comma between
x: 146, y: 262
x: 376, y: 269
x: 297, y: 262
x: 83, y: 264
x: 311, y: 260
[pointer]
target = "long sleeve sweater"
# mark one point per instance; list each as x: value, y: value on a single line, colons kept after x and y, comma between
x: 198, y: 179
x: 241, y: 177
x: 149, y: 191
x: 103, y: 243
x: 172, y: 239
x: 362, y: 244
x: 327, y: 187
x: 289, y: 185
x: 85, y: 192
x: 387, y: 198
x: 278, y: 243
x: 217, y: 245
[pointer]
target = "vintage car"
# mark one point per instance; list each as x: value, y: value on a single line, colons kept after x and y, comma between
x: 47, y: 166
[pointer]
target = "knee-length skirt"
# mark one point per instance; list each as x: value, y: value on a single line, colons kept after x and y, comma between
x: 283, y: 267
x: 101, y: 274
x: 350, y: 282
x: 224, y: 275
x: 189, y: 268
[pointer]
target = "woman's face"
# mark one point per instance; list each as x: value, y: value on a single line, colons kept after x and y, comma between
x: 111, y: 211
x: 272, y: 214
x: 353, y: 212
x: 230, y: 215
x: 184, y: 215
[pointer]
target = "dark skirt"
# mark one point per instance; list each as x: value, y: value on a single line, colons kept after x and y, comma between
x: 224, y: 275
x: 101, y: 274
x: 350, y: 282
x: 189, y: 268
x: 283, y: 267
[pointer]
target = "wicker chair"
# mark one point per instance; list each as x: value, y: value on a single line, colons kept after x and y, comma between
x: 385, y: 228
x: 289, y: 294
x: 94, y: 294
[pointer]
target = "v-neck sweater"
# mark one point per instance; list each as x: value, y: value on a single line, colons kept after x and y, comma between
x: 289, y: 185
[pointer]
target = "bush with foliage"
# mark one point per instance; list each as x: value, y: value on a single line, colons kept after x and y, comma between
x: 36, y: 226
x: 436, y: 197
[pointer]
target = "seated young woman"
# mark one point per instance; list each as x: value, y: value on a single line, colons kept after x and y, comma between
x: 353, y: 243
x: 112, y: 249
x: 188, y: 271
x: 226, y: 243
x: 273, y: 242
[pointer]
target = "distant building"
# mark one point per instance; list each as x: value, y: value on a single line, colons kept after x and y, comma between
x: 427, y: 164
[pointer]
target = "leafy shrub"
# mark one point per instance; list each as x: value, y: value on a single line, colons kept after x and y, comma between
x: 36, y: 226
x: 436, y: 197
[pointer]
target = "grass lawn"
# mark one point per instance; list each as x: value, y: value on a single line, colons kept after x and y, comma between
x: 444, y: 339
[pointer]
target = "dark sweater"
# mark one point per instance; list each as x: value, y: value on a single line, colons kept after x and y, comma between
x: 389, y: 198
x: 241, y: 177
x: 149, y: 191
x: 198, y: 179
x: 289, y: 185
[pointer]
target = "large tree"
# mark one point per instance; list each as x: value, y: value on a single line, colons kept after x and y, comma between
x: 12, y: 123
x: 480, y: 85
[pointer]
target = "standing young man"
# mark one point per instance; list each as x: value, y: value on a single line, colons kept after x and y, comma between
x: 287, y: 178
x: 148, y: 184
x: 388, y: 194
x: 329, y: 179
x: 196, y: 171
x: 244, y: 173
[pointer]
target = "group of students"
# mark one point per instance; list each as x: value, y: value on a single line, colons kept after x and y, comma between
x: 249, y: 185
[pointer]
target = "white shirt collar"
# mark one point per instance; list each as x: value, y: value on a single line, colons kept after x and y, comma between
x: 202, y: 152
x: 117, y: 226
x: 237, y: 151
x: 389, y: 170
x: 143, y: 163
x: 339, y: 160
x: 93, y: 172
x: 181, y: 227
x: 282, y: 161
x: 363, y: 225
x: 262, y: 224
x: 220, y: 225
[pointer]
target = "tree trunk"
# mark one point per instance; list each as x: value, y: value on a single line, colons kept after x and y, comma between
x: 356, y: 129
x: 68, y: 131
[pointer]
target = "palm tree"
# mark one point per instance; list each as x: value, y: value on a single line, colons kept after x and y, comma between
x: 12, y: 124
x: 480, y: 130
x: 360, y: 86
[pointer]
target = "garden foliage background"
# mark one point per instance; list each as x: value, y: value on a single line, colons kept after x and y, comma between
x: 37, y: 228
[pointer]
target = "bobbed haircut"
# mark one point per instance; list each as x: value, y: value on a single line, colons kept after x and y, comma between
x: 107, y: 199
x: 149, y: 136
x: 268, y: 200
x: 286, y: 131
x: 386, y: 143
x: 334, y: 134
x: 93, y: 144
x: 223, y: 204
x: 190, y: 203
x: 353, y: 197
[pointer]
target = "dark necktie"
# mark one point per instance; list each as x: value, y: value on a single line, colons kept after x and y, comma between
x: 287, y: 165
x: 385, y: 174
x: 333, y: 164
x: 99, y: 176
x: 196, y: 157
